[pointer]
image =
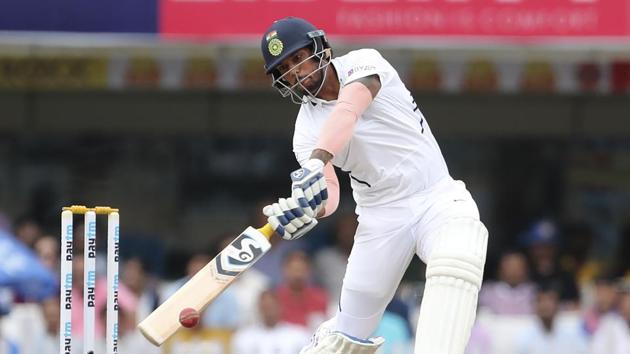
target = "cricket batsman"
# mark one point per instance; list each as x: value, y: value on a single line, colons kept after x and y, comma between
x: 357, y: 114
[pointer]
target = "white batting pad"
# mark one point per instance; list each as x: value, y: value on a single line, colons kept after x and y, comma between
x: 454, y: 275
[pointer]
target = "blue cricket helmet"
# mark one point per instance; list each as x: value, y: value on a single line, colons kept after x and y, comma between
x: 287, y: 36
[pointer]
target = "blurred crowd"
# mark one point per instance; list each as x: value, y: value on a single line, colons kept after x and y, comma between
x: 548, y: 294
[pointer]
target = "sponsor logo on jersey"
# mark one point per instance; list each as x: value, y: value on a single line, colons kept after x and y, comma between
x: 360, y: 68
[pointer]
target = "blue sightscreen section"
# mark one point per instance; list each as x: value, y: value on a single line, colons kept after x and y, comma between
x: 135, y: 16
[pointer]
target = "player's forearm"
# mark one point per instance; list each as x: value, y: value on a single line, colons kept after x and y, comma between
x: 337, y: 131
x: 332, y: 184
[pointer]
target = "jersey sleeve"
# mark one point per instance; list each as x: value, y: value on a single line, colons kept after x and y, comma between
x: 362, y: 63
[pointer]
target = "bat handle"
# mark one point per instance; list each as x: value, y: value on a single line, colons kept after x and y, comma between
x: 266, y: 230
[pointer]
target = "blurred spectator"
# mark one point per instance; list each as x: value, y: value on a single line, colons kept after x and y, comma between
x: 5, y: 223
x: 21, y: 270
x: 541, y: 242
x: 27, y: 230
x: 330, y: 263
x: 6, y: 300
x: 395, y: 330
x: 129, y: 339
x: 301, y: 302
x: 78, y: 234
x: 480, y: 340
x: 513, y: 293
x: 621, y: 266
x: 223, y: 312
x: 576, y: 258
x: 246, y: 288
x: 135, y: 277
x: 47, y: 248
x: 126, y: 299
x: 272, y: 263
x: 48, y: 343
x: 613, y: 334
x: 400, y: 308
x: 271, y: 336
x: 77, y: 297
x: 605, y: 301
x: 547, y: 335
x: 7, y: 346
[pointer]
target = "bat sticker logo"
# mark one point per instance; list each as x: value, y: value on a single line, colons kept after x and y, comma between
x: 238, y: 256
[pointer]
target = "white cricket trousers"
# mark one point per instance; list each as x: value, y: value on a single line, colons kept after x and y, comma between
x: 384, y: 244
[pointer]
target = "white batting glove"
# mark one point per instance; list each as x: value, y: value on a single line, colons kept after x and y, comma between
x: 288, y: 219
x: 309, y: 187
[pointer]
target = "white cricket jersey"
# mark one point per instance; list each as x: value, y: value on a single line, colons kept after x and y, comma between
x: 392, y: 154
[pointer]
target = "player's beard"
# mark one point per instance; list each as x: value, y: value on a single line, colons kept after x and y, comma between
x: 312, y: 84
x: 312, y: 81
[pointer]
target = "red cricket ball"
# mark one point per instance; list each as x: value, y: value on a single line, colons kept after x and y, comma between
x: 189, y: 317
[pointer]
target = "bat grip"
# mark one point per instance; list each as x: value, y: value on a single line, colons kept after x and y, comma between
x: 266, y: 230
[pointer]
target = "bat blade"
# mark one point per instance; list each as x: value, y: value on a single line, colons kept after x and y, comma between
x: 207, y: 284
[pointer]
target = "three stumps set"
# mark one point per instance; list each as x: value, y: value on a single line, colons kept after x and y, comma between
x: 89, y: 278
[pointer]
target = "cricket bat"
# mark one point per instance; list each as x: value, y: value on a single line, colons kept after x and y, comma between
x: 208, y: 283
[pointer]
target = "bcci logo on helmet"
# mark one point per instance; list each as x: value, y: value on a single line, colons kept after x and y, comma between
x: 275, y: 46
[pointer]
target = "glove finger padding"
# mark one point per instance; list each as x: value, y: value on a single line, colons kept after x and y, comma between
x: 277, y: 220
x: 284, y: 215
x: 310, y: 198
x: 319, y: 195
x: 323, y: 192
x: 288, y: 219
x: 289, y: 214
x: 300, y: 198
x: 315, y: 189
x: 314, y: 196
x: 298, y: 211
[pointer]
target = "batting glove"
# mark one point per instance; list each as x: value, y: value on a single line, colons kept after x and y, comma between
x: 288, y: 219
x: 309, y: 187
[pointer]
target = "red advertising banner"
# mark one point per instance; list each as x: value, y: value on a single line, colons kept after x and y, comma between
x: 221, y: 19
